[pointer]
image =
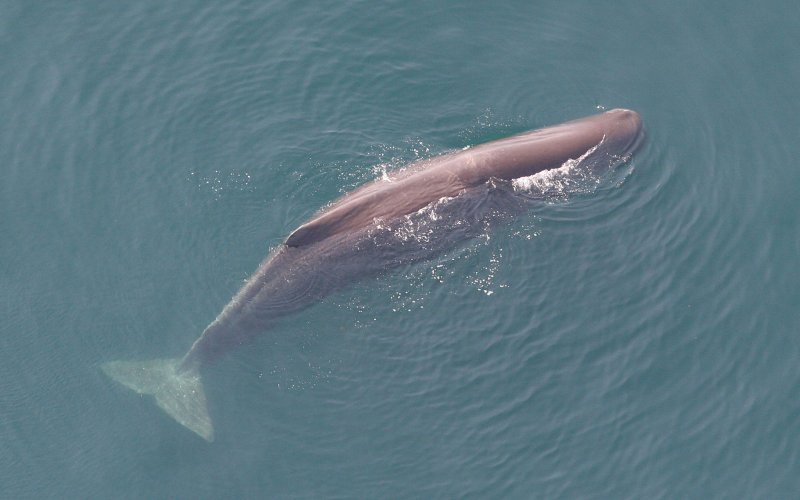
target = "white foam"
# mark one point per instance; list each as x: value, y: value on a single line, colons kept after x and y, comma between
x: 559, y: 180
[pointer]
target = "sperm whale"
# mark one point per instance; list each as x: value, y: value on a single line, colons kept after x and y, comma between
x: 350, y: 239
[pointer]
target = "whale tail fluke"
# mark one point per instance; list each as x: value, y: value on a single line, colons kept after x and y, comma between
x: 179, y: 393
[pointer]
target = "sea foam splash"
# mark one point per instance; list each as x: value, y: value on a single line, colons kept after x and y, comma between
x: 573, y: 176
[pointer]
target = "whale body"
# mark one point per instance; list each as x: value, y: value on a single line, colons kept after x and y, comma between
x: 361, y: 235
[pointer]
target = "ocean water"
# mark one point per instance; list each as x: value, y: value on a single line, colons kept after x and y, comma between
x: 636, y: 340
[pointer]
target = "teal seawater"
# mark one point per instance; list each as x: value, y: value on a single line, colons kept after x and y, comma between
x: 640, y: 341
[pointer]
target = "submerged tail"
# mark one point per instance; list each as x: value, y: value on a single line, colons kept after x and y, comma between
x: 179, y: 393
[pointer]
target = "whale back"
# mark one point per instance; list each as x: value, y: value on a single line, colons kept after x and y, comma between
x: 421, y: 183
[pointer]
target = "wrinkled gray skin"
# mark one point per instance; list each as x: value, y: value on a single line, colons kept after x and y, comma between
x: 355, y: 236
